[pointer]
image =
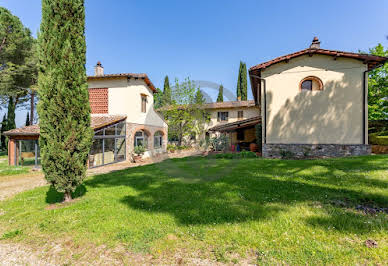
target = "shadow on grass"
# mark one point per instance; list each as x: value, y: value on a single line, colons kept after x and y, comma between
x: 253, y: 189
x: 53, y: 196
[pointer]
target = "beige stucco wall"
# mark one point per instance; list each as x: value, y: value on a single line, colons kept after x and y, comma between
x: 248, y: 113
x: 331, y: 116
x: 124, y: 98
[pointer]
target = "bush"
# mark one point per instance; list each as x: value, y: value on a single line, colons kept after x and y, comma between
x: 243, y: 154
x: 378, y: 138
x: 171, y: 147
x: 139, y: 150
x: 220, y: 143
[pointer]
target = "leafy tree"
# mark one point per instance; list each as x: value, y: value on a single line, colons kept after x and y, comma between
x: 28, y: 119
x: 3, y: 129
x: 166, y: 100
x: 220, y: 97
x: 158, y: 99
x: 18, y: 62
x: 378, y: 88
x: 242, y: 85
x: 64, y: 111
x: 185, y: 110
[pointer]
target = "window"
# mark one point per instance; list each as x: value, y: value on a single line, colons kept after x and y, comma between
x: 240, y: 115
x: 158, y: 140
x: 240, y: 135
x: 222, y: 116
x: 311, y: 83
x: 143, y: 103
x: 141, y: 139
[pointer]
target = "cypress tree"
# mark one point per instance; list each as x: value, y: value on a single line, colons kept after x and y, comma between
x: 11, y: 124
x: 64, y: 111
x: 220, y: 97
x: 28, y: 119
x: 242, y: 85
x: 199, y: 98
x: 3, y: 128
x: 166, y: 92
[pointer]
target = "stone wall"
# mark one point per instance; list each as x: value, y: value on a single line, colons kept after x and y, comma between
x: 314, y: 150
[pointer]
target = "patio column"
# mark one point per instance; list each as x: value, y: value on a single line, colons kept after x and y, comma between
x: 12, y: 152
x: 36, y: 154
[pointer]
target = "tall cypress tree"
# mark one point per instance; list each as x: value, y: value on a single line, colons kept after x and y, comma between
x: 3, y: 128
x: 220, y: 97
x: 11, y: 124
x: 28, y: 119
x: 199, y: 98
x: 242, y: 85
x: 166, y: 92
x: 64, y: 111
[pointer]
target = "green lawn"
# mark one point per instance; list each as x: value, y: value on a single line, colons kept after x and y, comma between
x: 229, y: 210
x: 6, y: 170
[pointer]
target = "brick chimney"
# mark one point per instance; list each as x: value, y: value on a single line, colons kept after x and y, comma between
x: 99, y: 69
x: 315, y: 44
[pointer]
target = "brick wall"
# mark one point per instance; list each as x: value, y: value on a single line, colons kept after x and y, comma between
x: 98, y: 98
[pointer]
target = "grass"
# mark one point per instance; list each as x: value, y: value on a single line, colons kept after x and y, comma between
x: 228, y: 210
x: 6, y: 170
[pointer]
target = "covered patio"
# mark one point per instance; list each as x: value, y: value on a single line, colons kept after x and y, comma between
x: 109, y: 142
x: 241, y: 133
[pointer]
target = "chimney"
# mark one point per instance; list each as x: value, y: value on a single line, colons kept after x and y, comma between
x: 99, y: 69
x: 315, y: 44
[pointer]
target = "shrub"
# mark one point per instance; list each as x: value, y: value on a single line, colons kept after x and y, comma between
x: 139, y: 150
x: 286, y: 154
x: 379, y: 138
x: 220, y: 143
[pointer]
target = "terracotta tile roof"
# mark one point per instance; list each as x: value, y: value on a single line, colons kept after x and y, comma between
x: 372, y: 60
x: 220, y: 105
x: 127, y: 75
x: 238, y: 124
x: 97, y: 122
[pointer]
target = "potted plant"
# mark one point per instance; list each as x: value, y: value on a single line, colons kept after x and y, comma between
x: 139, y: 150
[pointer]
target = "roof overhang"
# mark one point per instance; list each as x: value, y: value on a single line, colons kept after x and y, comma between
x: 233, y: 126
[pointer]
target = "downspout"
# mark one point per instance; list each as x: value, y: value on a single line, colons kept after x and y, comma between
x: 365, y: 130
x: 264, y: 106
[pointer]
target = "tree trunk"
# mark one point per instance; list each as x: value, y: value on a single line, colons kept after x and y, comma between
x: 32, y: 108
x: 67, y: 197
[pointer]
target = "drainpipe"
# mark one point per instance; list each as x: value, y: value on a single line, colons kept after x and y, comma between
x: 364, y: 107
x: 264, y: 106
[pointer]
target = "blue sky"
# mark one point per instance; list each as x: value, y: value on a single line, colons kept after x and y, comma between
x: 205, y: 40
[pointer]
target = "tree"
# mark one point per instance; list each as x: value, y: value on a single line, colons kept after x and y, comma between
x: 28, y: 119
x: 378, y: 88
x: 158, y: 99
x: 18, y: 62
x: 166, y: 92
x: 184, y: 111
x: 64, y: 111
x: 3, y: 129
x: 220, y: 97
x: 242, y: 85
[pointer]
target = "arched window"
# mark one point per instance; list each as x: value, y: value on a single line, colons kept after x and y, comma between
x: 311, y: 83
x: 158, y: 140
x: 141, y: 139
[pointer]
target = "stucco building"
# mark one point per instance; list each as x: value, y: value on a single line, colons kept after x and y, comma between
x: 314, y: 102
x: 122, y: 116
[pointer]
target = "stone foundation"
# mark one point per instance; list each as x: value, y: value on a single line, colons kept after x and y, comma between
x: 285, y: 151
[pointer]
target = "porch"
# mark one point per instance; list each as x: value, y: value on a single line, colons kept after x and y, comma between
x: 242, y: 134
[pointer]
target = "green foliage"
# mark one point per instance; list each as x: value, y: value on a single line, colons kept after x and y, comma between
x: 171, y: 147
x: 18, y: 61
x: 158, y: 99
x: 64, y: 111
x: 220, y: 97
x: 139, y: 150
x: 167, y: 95
x: 242, y: 83
x: 237, y: 155
x: 220, y: 143
x: 3, y: 129
x: 186, y: 114
x: 286, y: 154
x: 378, y: 138
x: 378, y: 87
